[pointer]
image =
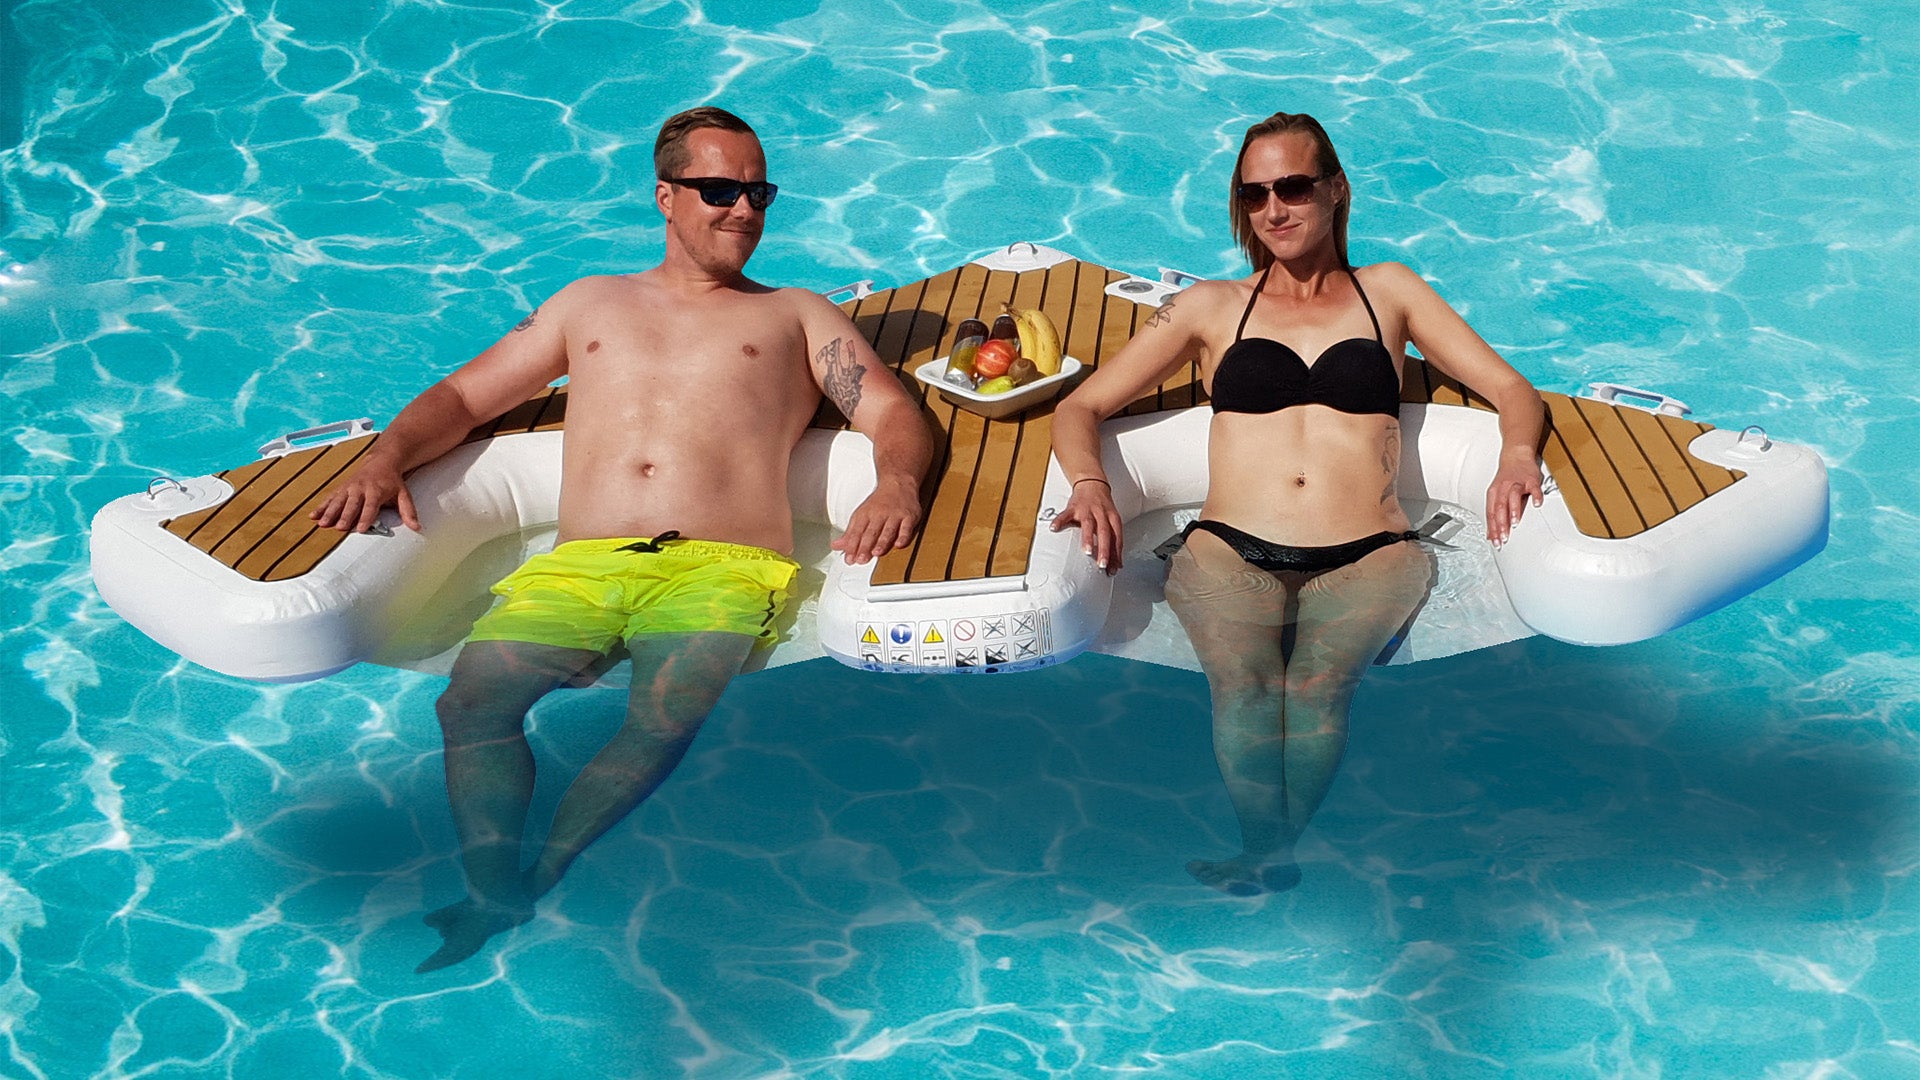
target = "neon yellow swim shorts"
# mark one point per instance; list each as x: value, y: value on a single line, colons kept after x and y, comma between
x: 591, y: 594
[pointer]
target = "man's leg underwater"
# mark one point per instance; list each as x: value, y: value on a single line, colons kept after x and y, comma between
x: 490, y: 771
x: 677, y: 678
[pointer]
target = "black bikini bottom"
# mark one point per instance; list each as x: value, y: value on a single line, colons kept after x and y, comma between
x: 1285, y: 558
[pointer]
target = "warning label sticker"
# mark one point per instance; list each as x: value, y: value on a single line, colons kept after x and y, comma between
x: 1014, y: 637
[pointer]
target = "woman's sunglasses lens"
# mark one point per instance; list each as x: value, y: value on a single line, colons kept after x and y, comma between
x: 1291, y: 190
x: 1294, y: 189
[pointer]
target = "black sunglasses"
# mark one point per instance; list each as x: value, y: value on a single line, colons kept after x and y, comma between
x: 1290, y: 190
x: 722, y: 191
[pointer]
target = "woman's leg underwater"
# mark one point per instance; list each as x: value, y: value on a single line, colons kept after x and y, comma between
x: 1236, y: 615
x: 1343, y: 619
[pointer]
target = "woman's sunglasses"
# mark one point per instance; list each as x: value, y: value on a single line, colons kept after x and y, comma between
x: 722, y: 191
x: 1290, y: 190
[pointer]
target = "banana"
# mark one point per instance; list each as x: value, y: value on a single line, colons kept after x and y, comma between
x: 1039, y: 339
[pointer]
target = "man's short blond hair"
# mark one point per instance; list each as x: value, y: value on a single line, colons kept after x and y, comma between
x: 670, y: 154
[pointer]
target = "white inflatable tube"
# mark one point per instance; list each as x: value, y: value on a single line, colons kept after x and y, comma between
x: 1548, y: 579
x: 375, y: 585
x: 1609, y: 592
x: 406, y: 598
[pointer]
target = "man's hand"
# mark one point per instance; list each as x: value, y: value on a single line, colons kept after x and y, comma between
x: 885, y: 521
x: 354, y: 506
x: 1091, y: 508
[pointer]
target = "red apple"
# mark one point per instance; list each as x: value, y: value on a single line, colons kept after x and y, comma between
x: 994, y: 358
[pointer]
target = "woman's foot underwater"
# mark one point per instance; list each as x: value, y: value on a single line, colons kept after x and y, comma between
x: 1246, y: 876
x: 468, y: 925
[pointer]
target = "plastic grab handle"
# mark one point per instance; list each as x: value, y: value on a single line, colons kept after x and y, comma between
x: 860, y: 289
x: 1650, y: 400
x: 1179, y: 279
x: 324, y: 435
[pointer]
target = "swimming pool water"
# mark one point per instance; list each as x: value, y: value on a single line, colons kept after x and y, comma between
x: 1692, y: 857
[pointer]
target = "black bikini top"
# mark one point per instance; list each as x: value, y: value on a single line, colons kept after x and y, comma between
x: 1261, y: 375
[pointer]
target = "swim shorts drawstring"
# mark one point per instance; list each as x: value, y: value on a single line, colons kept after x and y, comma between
x: 650, y: 546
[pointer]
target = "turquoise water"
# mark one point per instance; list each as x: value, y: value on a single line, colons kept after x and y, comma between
x: 1692, y: 857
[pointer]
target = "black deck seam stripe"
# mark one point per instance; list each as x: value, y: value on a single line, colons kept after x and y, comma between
x: 886, y: 318
x: 546, y: 403
x: 260, y: 504
x: 944, y: 459
x: 290, y: 515
x: 947, y: 458
x: 986, y: 438
x: 913, y: 320
x: 1652, y: 466
x: 966, y: 500
x: 1013, y: 460
x: 944, y: 464
x: 494, y: 428
x: 275, y: 564
x: 211, y: 512
x: 1554, y: 434
x: 1593, y: 496
x: 1694, y: 464
x: 1613, y: 529
x: 308, y: 535
x: 1066, y: 337
x: 1607, y: 456
x: 1006, y: 497
x: 502, y: 425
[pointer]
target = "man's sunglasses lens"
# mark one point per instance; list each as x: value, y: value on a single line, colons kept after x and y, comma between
x: 727, y: 192
x: 1290, y: 190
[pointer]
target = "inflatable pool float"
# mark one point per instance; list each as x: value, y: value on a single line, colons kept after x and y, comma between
x: 1651, y: 519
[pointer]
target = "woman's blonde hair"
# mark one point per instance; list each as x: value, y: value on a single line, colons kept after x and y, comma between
x: 1326, y: 163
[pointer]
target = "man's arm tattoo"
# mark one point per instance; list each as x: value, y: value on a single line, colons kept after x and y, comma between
x: 840, y: 376
x: 1161, y: 315
x: 526, y: 322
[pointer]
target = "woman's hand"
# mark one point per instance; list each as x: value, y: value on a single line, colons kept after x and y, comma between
x: 1091, y: 508
x: 1517, y: 479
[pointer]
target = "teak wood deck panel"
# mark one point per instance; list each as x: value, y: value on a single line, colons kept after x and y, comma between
x: 264, y: 533
x: 1621, y: 470
x: 984, y: 494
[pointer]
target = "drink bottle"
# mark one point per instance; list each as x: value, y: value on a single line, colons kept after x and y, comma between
x: 967, y: 339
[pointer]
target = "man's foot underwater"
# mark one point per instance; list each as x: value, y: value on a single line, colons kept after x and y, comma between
x: 1245, y: 877
x: 465, y: 927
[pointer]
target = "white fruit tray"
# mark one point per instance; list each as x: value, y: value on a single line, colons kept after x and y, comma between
x: 994, y: 406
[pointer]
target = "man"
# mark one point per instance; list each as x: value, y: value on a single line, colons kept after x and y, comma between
x: 688, y: 387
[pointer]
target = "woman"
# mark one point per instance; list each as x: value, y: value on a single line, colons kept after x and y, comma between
x: 1300, y: 569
